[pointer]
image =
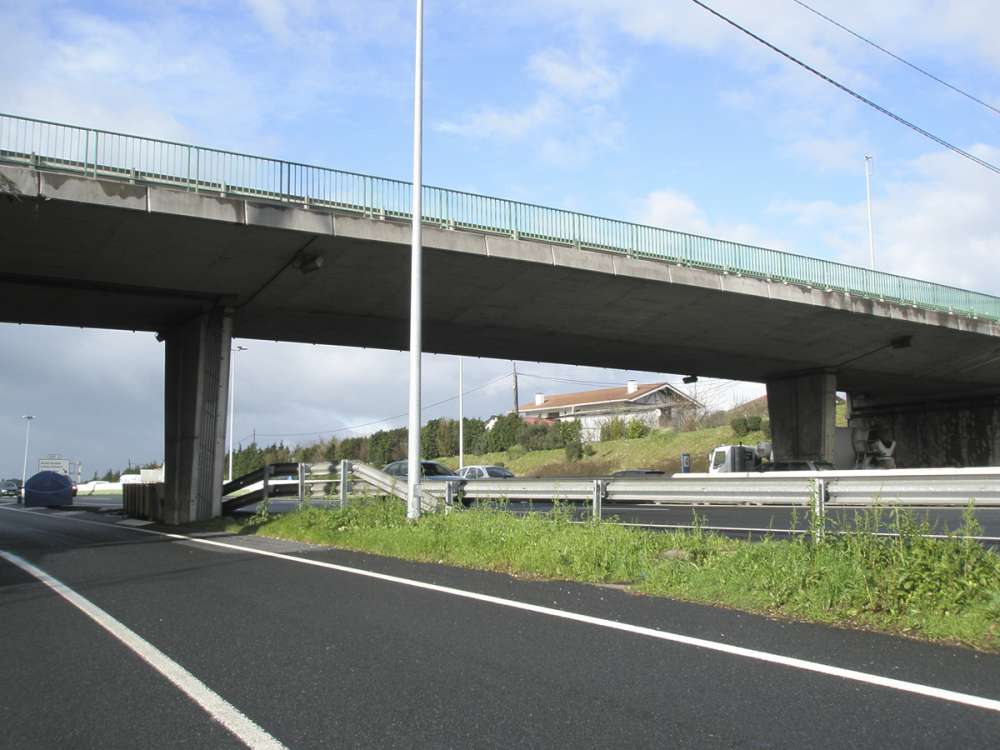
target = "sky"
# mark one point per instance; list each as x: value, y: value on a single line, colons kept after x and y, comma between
x: 648, y: 110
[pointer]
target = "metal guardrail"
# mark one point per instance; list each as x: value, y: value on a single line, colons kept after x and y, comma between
x: 99, y: 153
x: 767, y: 490
x: 550, y: 490
x: 952, y: 491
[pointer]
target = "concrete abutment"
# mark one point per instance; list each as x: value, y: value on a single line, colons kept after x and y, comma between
x: 196, y: 385
x: 933, y: 433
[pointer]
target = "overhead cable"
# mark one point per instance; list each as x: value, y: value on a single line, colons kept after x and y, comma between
x: 878, y: 107
x: 896, y: 57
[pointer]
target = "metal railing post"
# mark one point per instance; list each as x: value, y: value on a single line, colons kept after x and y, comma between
x: 819, y: 507
x: 302, y: 483
x: 597, y: 499
x: 449, y: 496
x: 266, y: 488
x: 345, y: 481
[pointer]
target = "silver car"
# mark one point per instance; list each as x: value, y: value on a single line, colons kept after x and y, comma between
x: 485, y: 472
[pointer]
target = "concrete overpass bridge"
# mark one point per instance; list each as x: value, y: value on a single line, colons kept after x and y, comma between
x: 198, y: 245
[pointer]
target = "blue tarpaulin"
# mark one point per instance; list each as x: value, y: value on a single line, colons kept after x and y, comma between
x: 47, y: 488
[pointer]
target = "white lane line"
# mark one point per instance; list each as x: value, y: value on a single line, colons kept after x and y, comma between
x: 248, y: 732
x: 927, y: 691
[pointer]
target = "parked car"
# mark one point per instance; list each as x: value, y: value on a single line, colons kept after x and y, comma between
x: 429, y: 470
x: 485, y: 472
x: 633, y: 473
x: 9, y: 488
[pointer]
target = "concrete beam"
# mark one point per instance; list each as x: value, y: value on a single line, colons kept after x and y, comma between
x: 802, y: 410
x: 196, y: 385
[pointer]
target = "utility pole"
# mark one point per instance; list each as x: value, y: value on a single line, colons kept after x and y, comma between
x: 868, y: 190
x: 515, y: 386
x: 413, y: 436
x: 27, y: 435
x: 461, y: 417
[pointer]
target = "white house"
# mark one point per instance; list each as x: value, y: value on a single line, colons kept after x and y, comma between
x: 656, y: 404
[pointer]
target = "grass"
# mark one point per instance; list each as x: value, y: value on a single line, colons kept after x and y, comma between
x: 937, y: 589
x: 661, y: 449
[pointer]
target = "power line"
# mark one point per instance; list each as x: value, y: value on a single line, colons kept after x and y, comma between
x: 878, y: 107
x: 896, y: 57
x: 565, y: 380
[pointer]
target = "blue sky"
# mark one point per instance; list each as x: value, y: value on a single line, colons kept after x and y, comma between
x: 639, y: 109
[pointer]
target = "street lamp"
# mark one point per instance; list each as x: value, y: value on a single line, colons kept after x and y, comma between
x: 232, y: 406
x: 868, y: 191
x: 27, y: 435
x: 413, y: 438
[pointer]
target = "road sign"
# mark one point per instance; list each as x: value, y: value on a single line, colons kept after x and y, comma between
x: 54, y: 463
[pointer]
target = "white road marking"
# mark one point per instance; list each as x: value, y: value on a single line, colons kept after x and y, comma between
x: 792, y: 662
x: 248, y: 732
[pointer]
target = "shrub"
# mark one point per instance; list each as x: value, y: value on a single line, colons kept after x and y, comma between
x: 740, y: 426
x: 765, y: 427
x: 636, y: 428
x: 574, y: 451
x: 613, y: 429
x: 754, y: 423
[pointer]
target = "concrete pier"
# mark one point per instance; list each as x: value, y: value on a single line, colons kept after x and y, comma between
x: 196, y: 385
x: 803, y: 416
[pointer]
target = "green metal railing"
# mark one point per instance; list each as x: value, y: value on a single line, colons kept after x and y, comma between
x: 99, y: 153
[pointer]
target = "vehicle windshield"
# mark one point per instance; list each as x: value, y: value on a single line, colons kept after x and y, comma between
x: 434, y: 469
x: 498, y: 472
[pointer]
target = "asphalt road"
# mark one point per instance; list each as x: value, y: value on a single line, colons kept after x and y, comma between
x: 319, y: 656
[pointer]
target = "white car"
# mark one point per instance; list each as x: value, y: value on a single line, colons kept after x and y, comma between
x: 485, y: 472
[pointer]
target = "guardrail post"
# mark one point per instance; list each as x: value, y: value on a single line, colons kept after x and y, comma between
x: 449, y: 496
x: 302, y: 483
x: 266, y: 488
x: 345, y: 481
x: 597, y: 499
x: 819, y: 507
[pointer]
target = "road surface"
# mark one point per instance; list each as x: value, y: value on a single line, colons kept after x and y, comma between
x: 316, y: 648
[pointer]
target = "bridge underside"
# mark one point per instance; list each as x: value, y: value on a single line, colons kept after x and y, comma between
x: 107, y: 254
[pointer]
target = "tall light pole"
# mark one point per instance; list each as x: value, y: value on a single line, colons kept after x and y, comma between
x: 27, y: 435
x: 413, y: 441
x: 868, y: 190
x: 461, y: 417
x: 232, y: 406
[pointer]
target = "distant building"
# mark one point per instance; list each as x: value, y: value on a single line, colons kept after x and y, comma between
x: 656, y: 404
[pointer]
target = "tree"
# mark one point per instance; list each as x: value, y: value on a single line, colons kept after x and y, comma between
x: 504, y: 433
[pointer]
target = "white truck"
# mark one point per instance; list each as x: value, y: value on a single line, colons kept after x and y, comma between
x: 853, y: 449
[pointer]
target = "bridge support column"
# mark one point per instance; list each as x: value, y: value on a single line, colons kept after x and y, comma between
x: 803, y: 414
x: 196, y: 385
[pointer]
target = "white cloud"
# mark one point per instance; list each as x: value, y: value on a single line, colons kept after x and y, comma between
x: 674, y: 210
x: 507, y: 124
x: 580, y: 77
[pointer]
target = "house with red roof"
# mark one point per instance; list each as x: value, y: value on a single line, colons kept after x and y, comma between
x: 659, y: 405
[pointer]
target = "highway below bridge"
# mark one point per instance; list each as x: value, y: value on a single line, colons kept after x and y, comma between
x: 117, y: 637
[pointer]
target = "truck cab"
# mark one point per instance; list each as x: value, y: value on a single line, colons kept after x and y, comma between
x: 728, y: 459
